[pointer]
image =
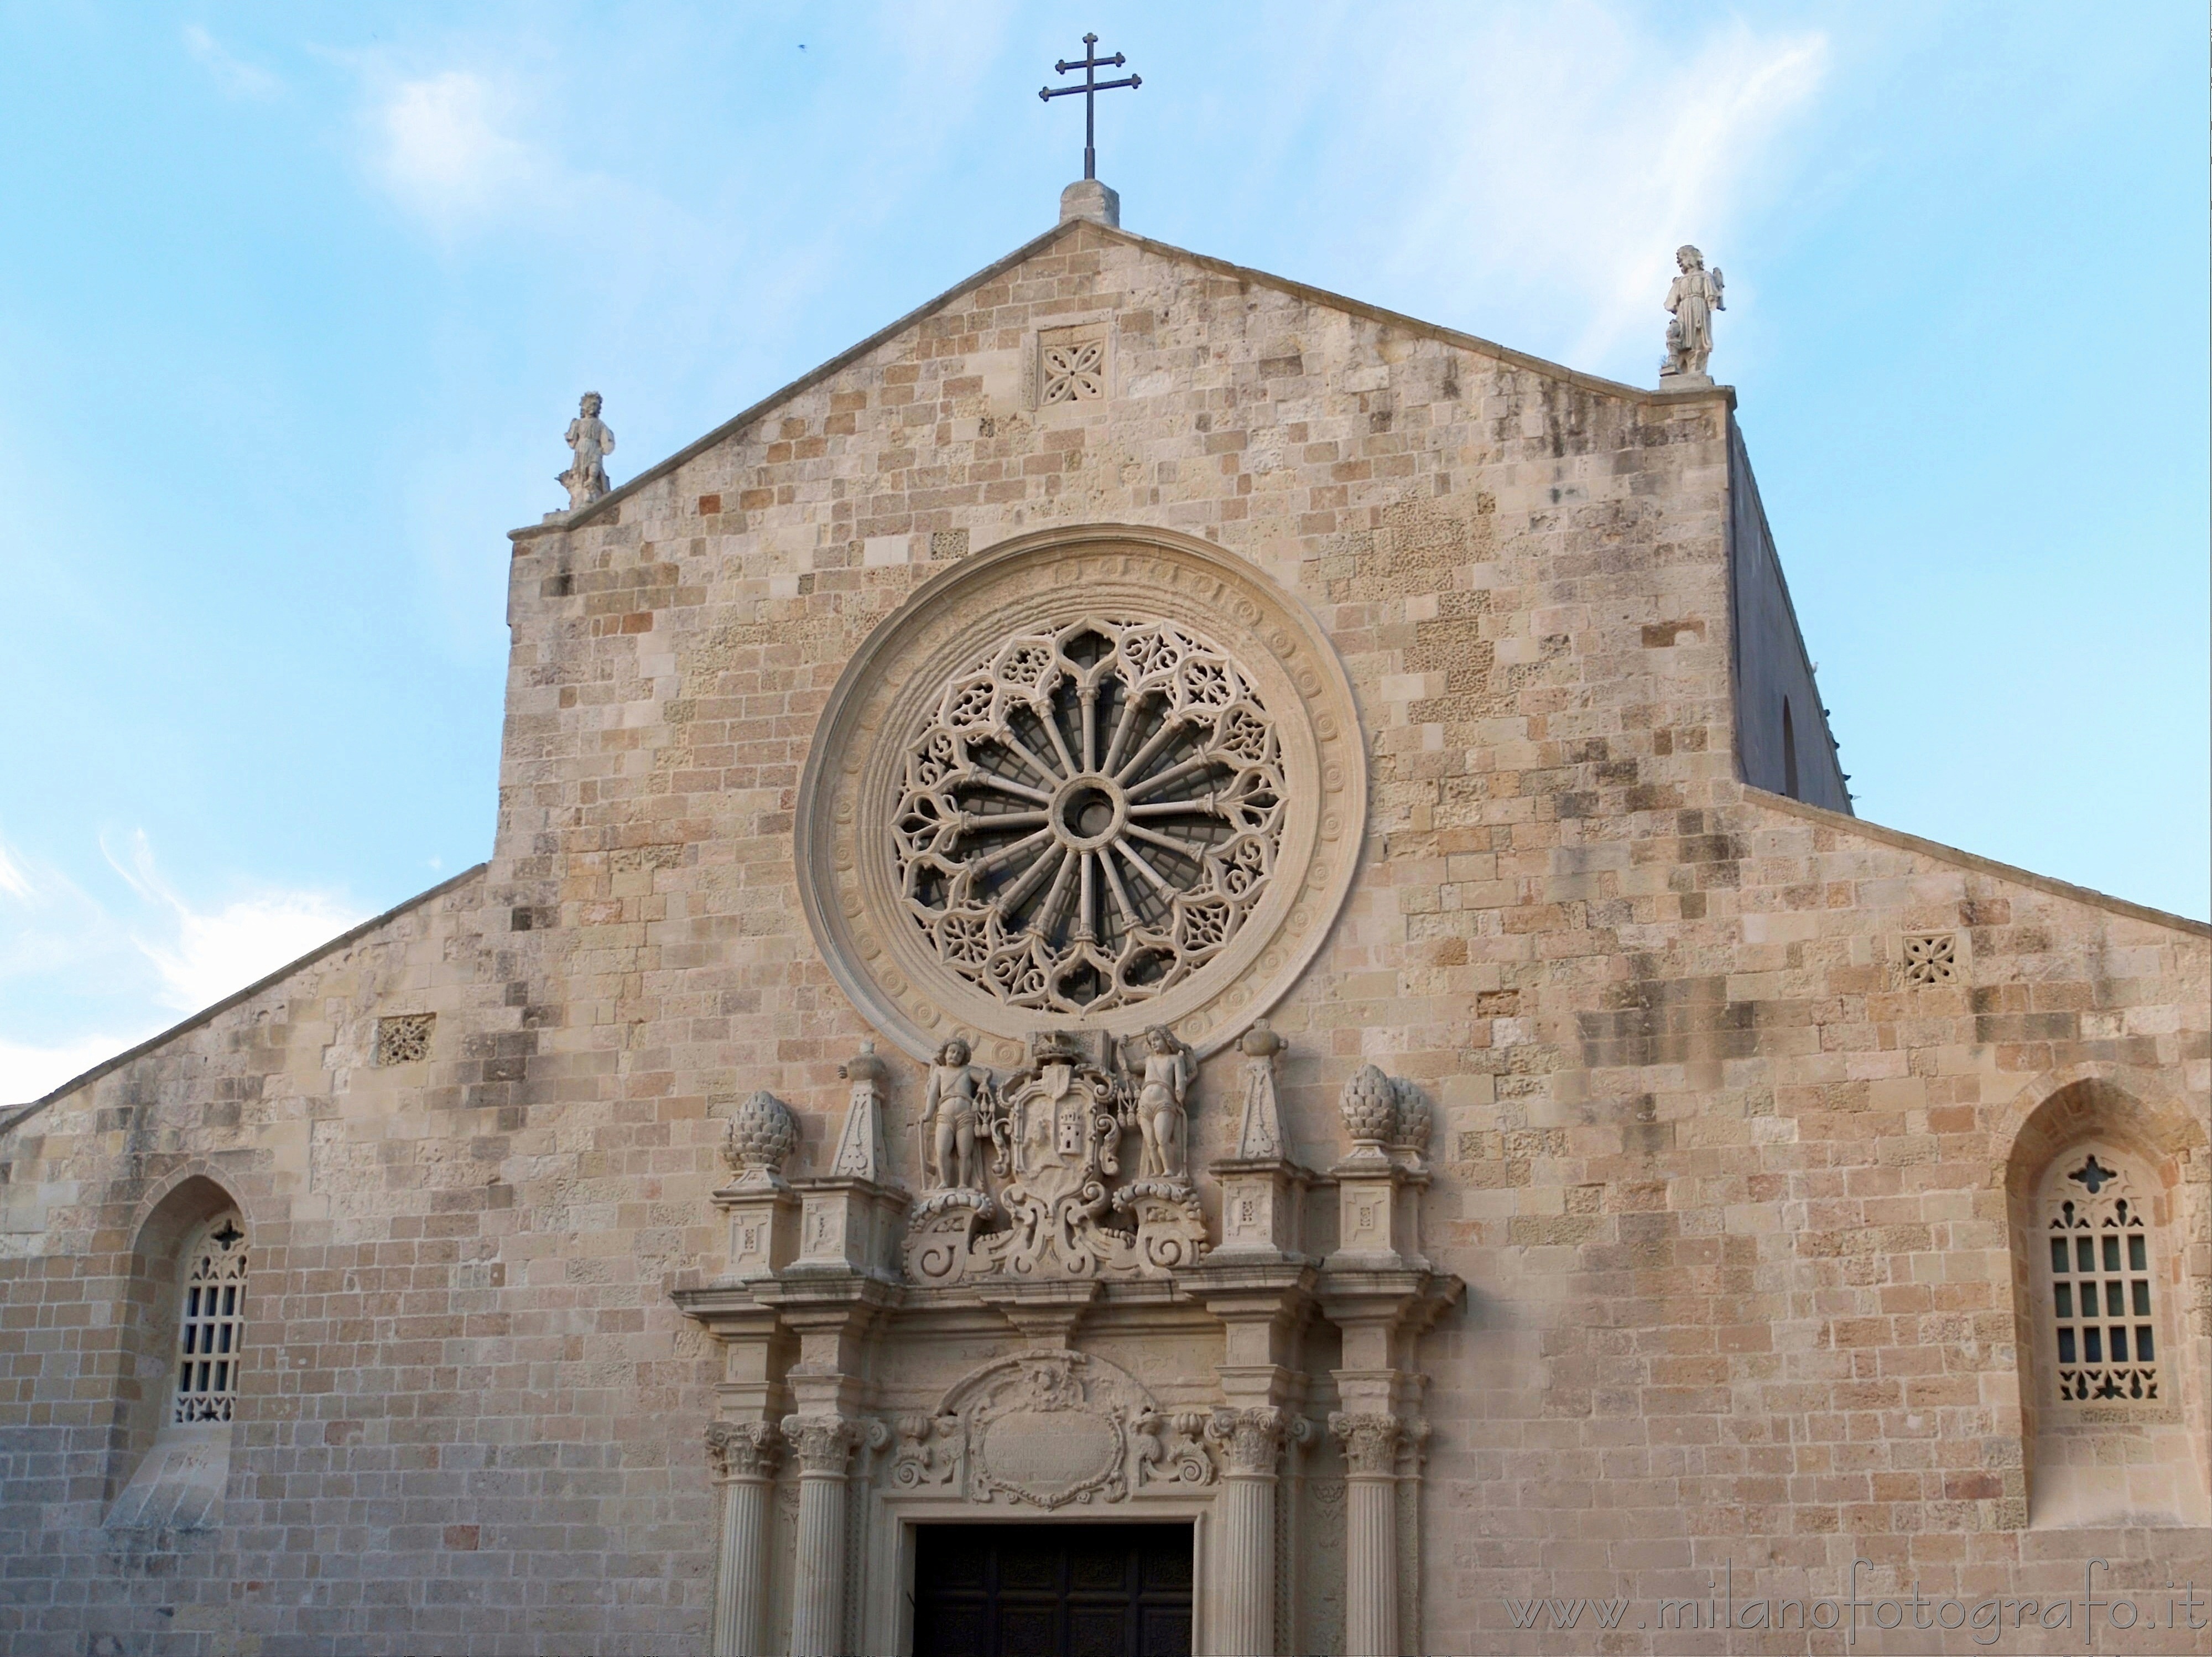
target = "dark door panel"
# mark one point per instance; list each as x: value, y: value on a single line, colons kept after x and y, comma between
x: 1052, y: 1590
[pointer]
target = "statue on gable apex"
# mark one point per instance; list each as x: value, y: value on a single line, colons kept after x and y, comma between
x: 1691, y: 298
x: 591, y: 443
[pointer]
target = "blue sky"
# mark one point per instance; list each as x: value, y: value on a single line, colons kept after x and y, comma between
x: 296, y: 301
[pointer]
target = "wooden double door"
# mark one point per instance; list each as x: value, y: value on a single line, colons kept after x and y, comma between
x: 1052, y: 1590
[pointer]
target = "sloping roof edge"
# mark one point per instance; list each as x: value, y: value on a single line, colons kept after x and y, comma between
x: 556, y: 521
x: 1980, y: 865
x: 11, y: 1115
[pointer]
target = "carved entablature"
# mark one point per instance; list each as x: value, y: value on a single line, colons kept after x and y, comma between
x: 1039, y: 1156
x: 1051, y: 1429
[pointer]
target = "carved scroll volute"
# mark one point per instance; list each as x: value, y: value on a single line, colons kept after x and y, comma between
x: 928, y: 1451
x: 1369, y: 1441
x: 1171, y: 1449
x: 1251, y: 1439
x: 743, y: 1449
x: 823, y: 1444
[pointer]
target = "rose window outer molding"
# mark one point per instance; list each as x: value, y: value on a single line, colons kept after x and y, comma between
x: 1097, y: 778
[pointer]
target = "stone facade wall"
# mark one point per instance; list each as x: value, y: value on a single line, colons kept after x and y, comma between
x: 1729, y: 1197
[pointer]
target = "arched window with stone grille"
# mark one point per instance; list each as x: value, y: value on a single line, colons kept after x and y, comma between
x: 2101, y: 1295
x: 183, y: 1380
x: 210, y: 1326
x: 2103, y: 1193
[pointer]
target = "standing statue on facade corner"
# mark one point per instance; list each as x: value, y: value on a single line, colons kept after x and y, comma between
x: 1693, y: 298
x: 1161, y: 1116
x: 591, y: 442
x: 951, y: 1111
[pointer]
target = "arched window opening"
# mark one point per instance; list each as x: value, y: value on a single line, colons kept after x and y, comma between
x: 184, y: 1356
x: 210, y: 1326
x: 1788, y: 752
x: 2104, y: 1332
x: 2102, y: 1201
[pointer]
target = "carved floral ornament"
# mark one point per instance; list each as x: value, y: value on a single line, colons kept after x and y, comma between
x: 1102, y: 779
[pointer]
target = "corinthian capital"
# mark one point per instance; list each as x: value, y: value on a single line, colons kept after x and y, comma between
x: 1251, y: 1439
x: 1369, y: 1441
x: 742, y: 1449
x: 823, y: 1443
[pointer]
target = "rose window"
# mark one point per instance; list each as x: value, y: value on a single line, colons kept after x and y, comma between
x: 1089, y: 815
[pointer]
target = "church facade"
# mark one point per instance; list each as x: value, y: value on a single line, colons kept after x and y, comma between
x: 1169, y: 965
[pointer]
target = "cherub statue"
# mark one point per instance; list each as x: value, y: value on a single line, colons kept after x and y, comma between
x: 950, y: 1115
x: 1170, y: 1069
x: 592, y: 442
x: 1694, y: 297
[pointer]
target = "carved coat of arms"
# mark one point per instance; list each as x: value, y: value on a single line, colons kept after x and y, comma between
x: 1060, y: 1209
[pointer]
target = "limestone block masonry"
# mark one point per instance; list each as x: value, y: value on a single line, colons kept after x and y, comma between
x: 1642, y: 1181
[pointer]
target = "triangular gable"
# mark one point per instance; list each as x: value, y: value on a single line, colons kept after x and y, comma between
x: 1027, y: 250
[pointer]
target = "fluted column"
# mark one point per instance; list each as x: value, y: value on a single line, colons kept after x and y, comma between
x: 1252, y: 1441
x: 824, y: 1444
x: 744, y: 1457
x: 1370, y: 1542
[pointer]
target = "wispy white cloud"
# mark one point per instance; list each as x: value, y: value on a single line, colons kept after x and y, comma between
x: 446, y: 146
x: 80, y: 982
x: 1545, y: 161
x: 13, y: 881
x: 29, y: 1071
x: 206, y: 955
x: 237, y: 78
x: 59, y: 950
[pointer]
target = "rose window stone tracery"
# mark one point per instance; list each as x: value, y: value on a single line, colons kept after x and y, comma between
x: 968, y: 866
x: 1089, y: 815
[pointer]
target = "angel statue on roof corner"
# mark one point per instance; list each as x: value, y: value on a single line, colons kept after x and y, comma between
x: 1693, y: 298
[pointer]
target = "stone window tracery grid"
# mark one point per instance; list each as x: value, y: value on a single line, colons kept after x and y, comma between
x: 2099, y: 1257
x: 1090, y: 815
x: 210, y: 1326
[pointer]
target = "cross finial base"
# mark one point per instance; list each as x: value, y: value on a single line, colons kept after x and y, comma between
x: 1087, y: 198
